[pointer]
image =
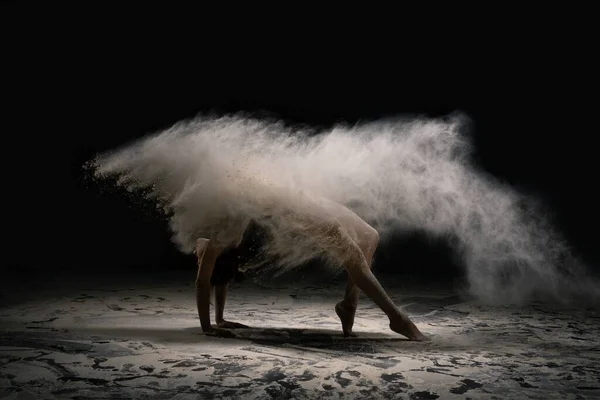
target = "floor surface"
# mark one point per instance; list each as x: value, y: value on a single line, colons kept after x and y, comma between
x: 136, y: 339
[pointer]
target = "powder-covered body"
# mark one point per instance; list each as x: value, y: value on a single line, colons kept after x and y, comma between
x: 214, y: 175
x: 298, y: 227
x: 340, y: 234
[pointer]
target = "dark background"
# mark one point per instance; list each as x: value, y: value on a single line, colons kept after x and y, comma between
x: 80, y: 82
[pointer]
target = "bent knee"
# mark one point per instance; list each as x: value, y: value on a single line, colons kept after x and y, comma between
x: 341, y: 246
x: 373, y: 236
x: 334, y: 231
x: 368, y: 239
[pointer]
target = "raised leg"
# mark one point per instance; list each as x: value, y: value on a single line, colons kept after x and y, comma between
x: 356, y: 264
x: 220, y: 299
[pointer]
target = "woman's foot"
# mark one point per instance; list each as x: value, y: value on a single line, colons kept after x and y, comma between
x: 404, y: 326
x: 346, y: 314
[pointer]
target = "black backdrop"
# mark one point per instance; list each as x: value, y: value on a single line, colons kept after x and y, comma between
x: 78, y: 87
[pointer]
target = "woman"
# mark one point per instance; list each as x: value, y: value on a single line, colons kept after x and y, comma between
x: 344, y: 236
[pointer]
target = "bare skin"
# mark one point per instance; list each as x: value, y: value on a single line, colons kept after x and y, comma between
x: 220, y: 298
x: 361, y: 277
x: 346, y: 309
x: 207, y: 254
x: 354, y: 242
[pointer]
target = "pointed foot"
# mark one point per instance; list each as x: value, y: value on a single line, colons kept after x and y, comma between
x: 407, y: 328
x: 346, y: 314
